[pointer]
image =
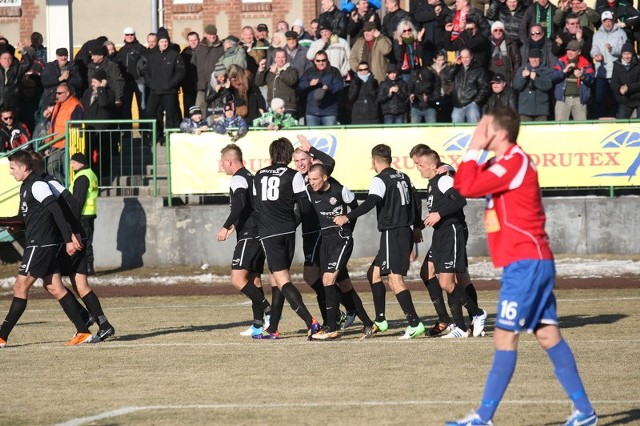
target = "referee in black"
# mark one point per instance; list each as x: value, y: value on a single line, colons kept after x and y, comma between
x: 276, y: 191
x: 46, y: 232
x: 393, y: 195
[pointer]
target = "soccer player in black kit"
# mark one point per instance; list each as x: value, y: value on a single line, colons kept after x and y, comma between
x: 330, y: 199
x: 248, y: 257
x: 447, y: 218
x: 45, y: 230
x: 393, y: 195
x: 276, y: 191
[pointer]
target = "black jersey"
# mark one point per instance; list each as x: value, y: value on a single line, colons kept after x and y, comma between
x: 331, y: 203
x: 310, y: 222
x: 43, y: 219
x: 243, y: 215
x: 444, y: 199
x: 394, y: 197
x: 276, y: 189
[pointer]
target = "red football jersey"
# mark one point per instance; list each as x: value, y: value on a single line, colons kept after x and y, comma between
x: 514, y: 216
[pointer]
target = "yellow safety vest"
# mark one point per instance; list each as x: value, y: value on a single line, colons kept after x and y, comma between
x: 89, y: 208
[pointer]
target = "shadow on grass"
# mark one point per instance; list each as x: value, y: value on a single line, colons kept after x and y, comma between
x: 622, y: 418
x: 176, y: 330
x: 573, y: 321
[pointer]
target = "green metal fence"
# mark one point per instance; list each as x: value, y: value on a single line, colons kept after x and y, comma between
x: 122, y: 153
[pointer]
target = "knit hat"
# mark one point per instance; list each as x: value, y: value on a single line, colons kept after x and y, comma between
x: 497, y: 25
x: 535, y: 53
x: 298, y: 23
x: 194, y: 110
x: 392, y: 68
x: 627, y: 47
x: 79, y: 157
x: 232, y: 39
x: 163, y: 34
x: 220, y: 69
x: 325, y: 26
x: 100, y: 75
x: 291, y: 34
x: 573, y: 45
x: 99, y: 49
x: 62, y: 51
x: 276, y: 103
x: 229, y: 107
x: 211, y: 29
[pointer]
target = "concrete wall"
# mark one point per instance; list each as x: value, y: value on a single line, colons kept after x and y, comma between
x: 137, y: 231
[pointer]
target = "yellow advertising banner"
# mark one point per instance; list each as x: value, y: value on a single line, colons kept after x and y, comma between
x: 9, y: 191
x: 567, y: 155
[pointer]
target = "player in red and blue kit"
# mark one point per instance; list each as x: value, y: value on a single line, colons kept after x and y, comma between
x: 514, y: 219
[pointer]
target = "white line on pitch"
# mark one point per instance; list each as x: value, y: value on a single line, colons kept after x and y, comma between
x: 128, y: 410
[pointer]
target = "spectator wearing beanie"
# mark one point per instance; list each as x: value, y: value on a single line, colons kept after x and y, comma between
x: 219, y: 93
x: 100, y: 62
x: 625, y: 82
x: 532, y: 83
x: 164, y: 72
x: 195, y: 122
x: 276, y: 118
x: 232, y: 125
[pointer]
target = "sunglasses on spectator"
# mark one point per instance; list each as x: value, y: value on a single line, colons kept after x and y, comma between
x: 7, y: 118
x: 408, y: 30
x: 498, y: 30
x: 536, y: 33
x: 363, y: 69
x: 320, y: 60
x: 61, y: 93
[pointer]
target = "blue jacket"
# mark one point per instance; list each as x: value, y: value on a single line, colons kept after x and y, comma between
x: 319, y: 103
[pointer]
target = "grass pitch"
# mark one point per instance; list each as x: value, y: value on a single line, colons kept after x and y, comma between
x: 181, y: 360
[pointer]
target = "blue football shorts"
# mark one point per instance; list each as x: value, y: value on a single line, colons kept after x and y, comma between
x: 526, y: 296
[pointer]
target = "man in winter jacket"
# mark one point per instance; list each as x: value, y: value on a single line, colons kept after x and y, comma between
x: 471, y: 88
x: 164, y: 72
x: 573, y: 76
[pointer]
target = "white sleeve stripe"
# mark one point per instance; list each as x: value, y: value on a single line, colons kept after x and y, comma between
x: 298, y: 184
x: 41, y: 190
x: 238, y: 182
x: 445, y: 183
x: 498, y: 170
x: 522, y: 171
x: 377, y: 187
x: 347, y: 195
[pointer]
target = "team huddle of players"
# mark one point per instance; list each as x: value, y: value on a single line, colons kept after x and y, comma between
x: 263, y: 215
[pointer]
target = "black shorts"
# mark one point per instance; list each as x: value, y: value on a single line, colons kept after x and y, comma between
x: 76, y: 264
x: 395, y: 250
x: 279, y: 251
x: 311, y: 246
x: 449, y: 249
x: 335, y: 252
x: 248, y: 255
x: 40, y: 261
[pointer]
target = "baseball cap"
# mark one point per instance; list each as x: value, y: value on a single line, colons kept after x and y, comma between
x: 62, y: 51
x: 498, y: 78
x: 573, y: 45
x: 128, y: 30
x: 607, y: 14
x: 262, y: 27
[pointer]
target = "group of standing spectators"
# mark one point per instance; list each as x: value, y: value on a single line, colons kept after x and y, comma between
x: 358, y: 62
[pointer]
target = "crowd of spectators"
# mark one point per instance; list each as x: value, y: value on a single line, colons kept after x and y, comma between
x: 358, y: 62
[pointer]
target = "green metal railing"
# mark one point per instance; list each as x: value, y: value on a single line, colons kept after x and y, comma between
x: 120, y: 152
